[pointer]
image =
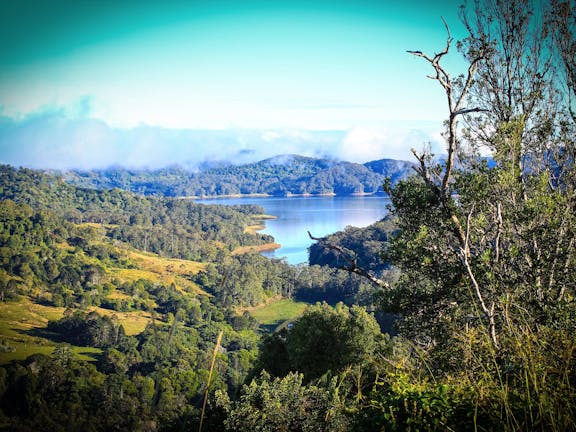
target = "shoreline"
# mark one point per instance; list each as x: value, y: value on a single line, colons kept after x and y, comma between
x: 268, y: 247
x: 288, y: 195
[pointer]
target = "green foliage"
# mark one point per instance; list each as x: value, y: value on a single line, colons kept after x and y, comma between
x: 397, y: 404
x: 284, y: 404
x: 322, y: 283
x: 324, y: 339
x: 246, y: 280
x: 50, y: 254
x: 530, y: 389
x: 171, y: 227
x: 485, y: 249
x: 89, y: 329
x: 364, y: 244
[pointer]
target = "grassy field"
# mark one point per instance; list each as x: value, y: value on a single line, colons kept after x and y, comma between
x: 22, y: 322
x: 162, y: 265
x: 133, y: 322
x: 159, y: 269
x: 277, y: 313
x: 19, y: 320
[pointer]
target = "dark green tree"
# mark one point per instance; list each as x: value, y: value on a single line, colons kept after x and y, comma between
x: 284, y: 404
x: 324, y: 339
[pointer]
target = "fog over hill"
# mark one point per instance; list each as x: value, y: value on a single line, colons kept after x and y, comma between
x: 281, y: 175
x: 55, y: 139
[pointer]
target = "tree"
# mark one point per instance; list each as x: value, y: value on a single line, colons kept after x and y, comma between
x: 562, y: 21
x: 284, y: 404
x: 324, y: 339
x: 485, y: 245
x: 503, y: 234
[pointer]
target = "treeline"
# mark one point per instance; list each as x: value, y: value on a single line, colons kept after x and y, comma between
x: 170, y: 227
x: 248, y: 280
x: 73, y: 265
x: 278, y: 176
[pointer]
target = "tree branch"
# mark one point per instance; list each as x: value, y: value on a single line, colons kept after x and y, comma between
x: 353, y: 265
x: 469, y: 110
x: 489, y: 312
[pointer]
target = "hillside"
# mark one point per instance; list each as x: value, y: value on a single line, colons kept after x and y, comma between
x: 278, y: 176
x: 111, y: 301
x: 125, y: 306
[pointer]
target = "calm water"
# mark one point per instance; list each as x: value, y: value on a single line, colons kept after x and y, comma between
x: 319, y: 215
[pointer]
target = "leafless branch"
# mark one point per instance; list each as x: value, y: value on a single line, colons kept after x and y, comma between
x: 352, y: 266
x: 454, y: 107
x: 423, y: 172
x: 469, y: 110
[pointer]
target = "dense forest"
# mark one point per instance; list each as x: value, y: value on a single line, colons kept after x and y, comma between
x: 98, y: 261
x: 122, y: 311
x: 279, y: 176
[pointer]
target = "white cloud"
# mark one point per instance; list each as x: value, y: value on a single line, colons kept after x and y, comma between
x: 364, y: 143
x: 69, y: 138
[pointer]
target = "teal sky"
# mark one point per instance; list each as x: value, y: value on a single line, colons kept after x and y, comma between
x: 306, y: 65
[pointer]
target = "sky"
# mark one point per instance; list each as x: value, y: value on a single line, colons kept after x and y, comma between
x: 142, y: 83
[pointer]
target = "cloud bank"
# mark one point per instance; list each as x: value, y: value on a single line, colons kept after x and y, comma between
x: 55, y: 139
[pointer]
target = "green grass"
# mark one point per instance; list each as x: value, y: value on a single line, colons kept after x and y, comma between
x: 277, y: 313
x: 22, y: 350
x: 133, y: 322
x: 19, y: 320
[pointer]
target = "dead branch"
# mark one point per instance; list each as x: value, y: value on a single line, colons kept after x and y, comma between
x: 351, y: 260
x: 469, y: 110
x: 454, y: 106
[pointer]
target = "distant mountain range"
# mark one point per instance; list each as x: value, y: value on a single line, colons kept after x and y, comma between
x: 282, y: 175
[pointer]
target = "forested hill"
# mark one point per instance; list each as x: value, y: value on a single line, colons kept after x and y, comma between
x: 167, y: 226
x: 279, y: 176
x: 111, y: 304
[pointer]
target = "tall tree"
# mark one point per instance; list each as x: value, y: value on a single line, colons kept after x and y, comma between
x: 493, y: 243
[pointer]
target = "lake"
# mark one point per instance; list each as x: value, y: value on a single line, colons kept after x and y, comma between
x: 319, y: 215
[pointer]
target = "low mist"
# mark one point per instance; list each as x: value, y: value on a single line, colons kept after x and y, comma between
x: 52, y: 139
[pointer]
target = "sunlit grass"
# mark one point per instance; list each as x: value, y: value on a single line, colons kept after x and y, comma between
x: 24, y: 315
x: 118, y: 295
x: 19, y: 319
x: 132, y: 275
x: 259, y: 248
x: 133, y: 322
x: 252, y: 229
x: 275, y: 313
x: 163, y: 266
x: 21, y: 351
x: 161, y: 270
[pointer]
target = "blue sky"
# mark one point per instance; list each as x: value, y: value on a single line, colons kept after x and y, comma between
x: 89, y: 83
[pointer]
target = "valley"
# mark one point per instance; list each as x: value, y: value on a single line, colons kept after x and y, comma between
x: 127, y: 287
